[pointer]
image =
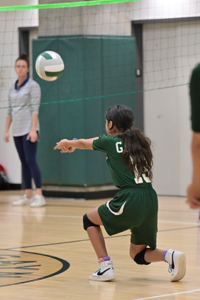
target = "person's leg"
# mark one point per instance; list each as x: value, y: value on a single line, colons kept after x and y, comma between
x: 95, y: 234
x: 30, y: 155
x: 149, y: 256
x: 92, y: 222
x: 176, y: 259
x: 25, y: 171
x: 155, y: 255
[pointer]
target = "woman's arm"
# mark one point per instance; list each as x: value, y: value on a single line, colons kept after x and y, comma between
x: 6, y: 134
x: 193, y: 192
x: 70, y: 145
x: 35, y: 98
x: 32, y: 136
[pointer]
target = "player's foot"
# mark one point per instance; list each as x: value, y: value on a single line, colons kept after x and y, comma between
x: 177, y: 264
x: 105, y: 273
x: 38, y: 201
x: 23, y: 201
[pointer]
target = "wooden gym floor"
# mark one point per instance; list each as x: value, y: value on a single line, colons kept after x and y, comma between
x: 46, y: 254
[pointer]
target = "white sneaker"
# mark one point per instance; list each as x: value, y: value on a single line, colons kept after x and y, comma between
x: 177, y: 264
x: 23, y: 201
x: 38, y: 201
x: 105, y: 273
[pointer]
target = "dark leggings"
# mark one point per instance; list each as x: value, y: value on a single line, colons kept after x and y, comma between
x: 27, y: 154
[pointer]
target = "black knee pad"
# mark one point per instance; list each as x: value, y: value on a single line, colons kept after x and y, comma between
x: 87, y: 223
x: 139, y: 258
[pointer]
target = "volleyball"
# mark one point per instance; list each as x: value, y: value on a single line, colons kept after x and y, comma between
x: 49, y: 65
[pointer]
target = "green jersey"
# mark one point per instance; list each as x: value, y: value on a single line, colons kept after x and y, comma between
x: 195, y: 98
x: 121, y: 175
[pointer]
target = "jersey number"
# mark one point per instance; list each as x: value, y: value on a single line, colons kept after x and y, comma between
x: 141, y: 179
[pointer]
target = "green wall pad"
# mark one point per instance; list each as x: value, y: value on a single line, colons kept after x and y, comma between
x: 99, y: 72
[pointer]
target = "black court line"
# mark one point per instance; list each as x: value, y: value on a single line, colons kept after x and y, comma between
x: 173, y: 229
x: 179, y: 211
x: 86, y: 240
x: 80, y: 206
x: 65, y: 266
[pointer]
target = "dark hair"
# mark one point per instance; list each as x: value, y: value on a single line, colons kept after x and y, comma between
x: 23, y: 57
x: 137, y: 154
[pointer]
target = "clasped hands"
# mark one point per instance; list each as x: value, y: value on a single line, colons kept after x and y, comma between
x: 64, y: 146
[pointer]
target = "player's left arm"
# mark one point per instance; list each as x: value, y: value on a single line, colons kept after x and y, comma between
x: 68, y: 146
x: 35, y: 98
x: 193, y: 191
x: 32, y: 136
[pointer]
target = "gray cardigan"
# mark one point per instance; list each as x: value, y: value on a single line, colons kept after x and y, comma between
x: 23, y: 102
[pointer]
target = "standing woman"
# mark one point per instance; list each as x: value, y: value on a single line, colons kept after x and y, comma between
x: 24, y: 101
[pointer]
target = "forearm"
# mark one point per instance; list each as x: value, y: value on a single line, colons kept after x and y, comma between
x: 34, y: 121
x: 196, y: 165
x: 8, y: 122
x: 76, y: 144
x: 82, y: 143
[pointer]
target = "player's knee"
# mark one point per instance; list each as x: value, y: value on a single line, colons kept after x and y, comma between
x: 87, y: 223
x: 139, y: 258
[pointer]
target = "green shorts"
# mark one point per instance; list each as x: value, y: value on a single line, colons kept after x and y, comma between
x: 135, y: 209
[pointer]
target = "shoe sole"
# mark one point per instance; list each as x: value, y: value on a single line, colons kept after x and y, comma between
x: 182, y: 268
x: 110, y: 278
x: 38, y: 205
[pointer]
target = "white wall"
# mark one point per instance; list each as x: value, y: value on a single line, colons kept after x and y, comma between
x: 157, y: 9
x: 171, y: 50
x: 113, y: 19
x: 9, y: 51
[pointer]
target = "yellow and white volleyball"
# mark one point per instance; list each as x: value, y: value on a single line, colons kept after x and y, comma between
x: 49, y: 65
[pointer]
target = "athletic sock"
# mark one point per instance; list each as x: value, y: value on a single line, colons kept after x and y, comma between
x: 163, y: 255
x: 104, y: 258
x: 168, y: 256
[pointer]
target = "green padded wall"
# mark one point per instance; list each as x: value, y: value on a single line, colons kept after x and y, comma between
x: 97, y: 69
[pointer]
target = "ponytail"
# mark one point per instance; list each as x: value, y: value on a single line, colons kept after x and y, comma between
x: 137, y: 154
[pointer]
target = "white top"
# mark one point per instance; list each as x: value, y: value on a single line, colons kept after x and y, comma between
x: 23, y: 102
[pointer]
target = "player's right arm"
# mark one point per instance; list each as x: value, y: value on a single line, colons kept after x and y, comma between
x: 6, y: 134
x: 71, y: 145
x: 193, y: 191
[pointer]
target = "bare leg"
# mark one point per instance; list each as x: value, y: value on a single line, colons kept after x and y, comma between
x: 150, y: 255
x: 39, y: 191
x: 28, y: 193
x: 106, y: 271
x: 154, y: 255
x: 95, y: 234
x: 176, y: 259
